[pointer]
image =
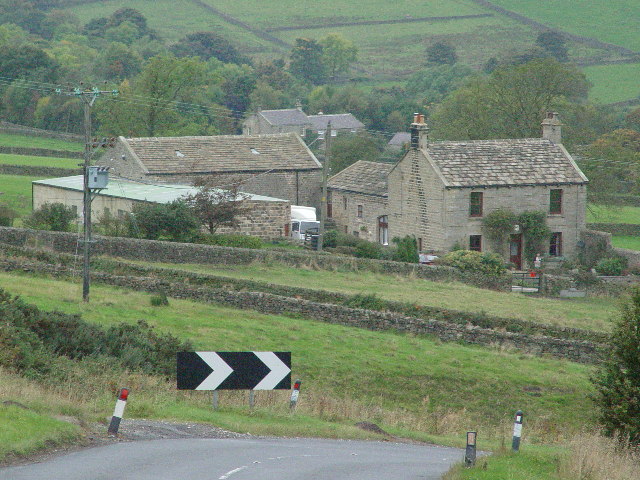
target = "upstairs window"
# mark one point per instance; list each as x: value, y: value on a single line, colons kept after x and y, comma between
x: 475, y: 204
x: 359, y: 211
x: 555, y: 201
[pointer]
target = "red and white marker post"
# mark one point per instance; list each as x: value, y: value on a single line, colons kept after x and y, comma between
x: 118, y: 412
x: 295, y: 393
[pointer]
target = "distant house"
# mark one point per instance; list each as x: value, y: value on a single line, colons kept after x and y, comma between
x: 276, y: 165
x: 267, y: 217
x: 359, y: 195
x: 439, y: 192
x: 295, y: 120
x: 399, y: 141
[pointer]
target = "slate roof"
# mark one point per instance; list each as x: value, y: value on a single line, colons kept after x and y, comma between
x: 222, y: 153
x: 400, y: 138
x: 339, y: 121
x: 290, y: 116
x: 120, y: 188
x: 529, y: 161
x: 365, y: 177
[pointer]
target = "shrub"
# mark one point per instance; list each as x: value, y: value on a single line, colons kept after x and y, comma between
x: 330, y: 239
x: 113, y: 226
x: 499, y: 223
x: 368, y: 302
x: 477, y: 262
x: 407, y: 249
x: 174, y: 221
x: 611, y: 266
x: 51, y: 216
x: 230, y: 240
x: 159, y: 300
x: 366, y: 249
x: 346, y: 240
x: 7, y: 216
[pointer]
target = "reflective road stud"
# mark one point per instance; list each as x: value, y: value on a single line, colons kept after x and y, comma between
x: 517, y: 431
x: 470, y: 452
x: 294, y: 394
x: 118, y: 412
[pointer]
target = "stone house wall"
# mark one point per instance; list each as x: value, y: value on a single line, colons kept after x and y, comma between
x: 344, y: 208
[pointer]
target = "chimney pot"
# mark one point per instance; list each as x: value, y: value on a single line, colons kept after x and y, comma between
x: 552, y: 128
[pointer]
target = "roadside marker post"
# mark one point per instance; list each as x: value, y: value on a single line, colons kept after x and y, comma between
x: 470, y: 452
x: 295, y: 393
x: 517, y: 431
x: 118, y: 412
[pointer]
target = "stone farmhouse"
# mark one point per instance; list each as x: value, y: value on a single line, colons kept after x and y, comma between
x: 295, y: 120
x: 439, y: 192
x: 275, y: 165
x: 266, y: 217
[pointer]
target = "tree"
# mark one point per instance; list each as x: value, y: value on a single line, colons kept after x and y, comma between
x: 618, y: 380
x: 338, y: 54
x: 51, y: 216
x: 436, y: 82
x: 173, y: 220
x: 207, y: 45
x: 306, y: 61
x: 406, y: 249
x: 154, y: 103
x: 554, y: 43
x: 28, y: 61
x: 348, y: 149
x: 238, y: 81
x: 216, y: 207
x: 510, y: 103
x: 441, y: 53
x: 117, y: 62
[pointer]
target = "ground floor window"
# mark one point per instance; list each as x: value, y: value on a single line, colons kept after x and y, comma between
x: 475, y: 243
x: 383, y: 230
x: 555, y: 245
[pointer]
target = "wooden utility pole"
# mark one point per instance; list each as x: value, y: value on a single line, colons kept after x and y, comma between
x: 325, y: 176
x: 88, y: 97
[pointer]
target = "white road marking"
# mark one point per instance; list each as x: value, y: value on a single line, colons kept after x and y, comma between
x: 228, y: 474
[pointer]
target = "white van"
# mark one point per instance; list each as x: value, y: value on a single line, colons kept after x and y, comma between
x: 302, y: 219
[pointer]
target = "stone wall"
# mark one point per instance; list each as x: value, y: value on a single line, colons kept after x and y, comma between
x: 172, y: 252
x: 41, y: 152
x: 575, y: 350
x: 8, y: 127
x: 35, y: 171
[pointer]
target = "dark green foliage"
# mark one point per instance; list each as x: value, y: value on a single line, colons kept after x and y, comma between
x: 51, y: 216
x: 207, y: 45
x: 612, y: 266
x: 306, y: 61
x: 7, y: 216
x: 348, y: 149
x: 535, y: 231
x: 406, y: 249
x: 499, y: 223
x: 442, y: 54
x: 366, y: 301
x: 27, y: 61
x: 554, y: 43
x: 618, y: 380
x: 230, y: 240
x: 437, y: 81
x: 31, y: 340
x: 159, y: 300
x: 475, y: 262
x: 366, y: 249
x: 330, y: 238
x: 174, y: 221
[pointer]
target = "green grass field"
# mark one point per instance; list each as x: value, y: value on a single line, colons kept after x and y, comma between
x: 11, y: 140
x: 16, y: 192
x: 424, y: 378
x: 394, y: 51
x: 35, y: 161
x: 615, y: 21
x: 587, y: 313
x: 624, y: 241
x: 606, y: 214
x: 624, y: 78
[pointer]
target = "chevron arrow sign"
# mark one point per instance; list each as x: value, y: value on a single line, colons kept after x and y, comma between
x: 234, y: 370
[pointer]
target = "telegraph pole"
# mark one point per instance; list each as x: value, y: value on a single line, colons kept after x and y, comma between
x: 325, y: 177
x: 88, y: 97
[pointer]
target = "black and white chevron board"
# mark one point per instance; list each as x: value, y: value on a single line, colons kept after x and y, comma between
x: 234, y: 370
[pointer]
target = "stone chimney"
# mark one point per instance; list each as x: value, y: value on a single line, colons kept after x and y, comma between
x: 419, y: 132
x: 552, y: 128
x: 298, y: 105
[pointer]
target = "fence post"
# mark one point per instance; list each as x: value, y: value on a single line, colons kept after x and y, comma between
x: 470, y: 452
x: 118, y: 412
x: 294, y: 394
x: 517, y: 431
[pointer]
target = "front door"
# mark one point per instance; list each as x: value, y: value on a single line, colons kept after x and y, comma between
x: 515, y: 250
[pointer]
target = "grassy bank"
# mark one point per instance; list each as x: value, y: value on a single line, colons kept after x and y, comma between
x: 37, y: 161
x: 26, y: 141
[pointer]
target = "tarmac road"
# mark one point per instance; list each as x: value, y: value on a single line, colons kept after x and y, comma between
x: 245, y: 459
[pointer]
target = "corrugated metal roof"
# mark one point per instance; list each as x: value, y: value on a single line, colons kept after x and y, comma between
x: 158, y: 193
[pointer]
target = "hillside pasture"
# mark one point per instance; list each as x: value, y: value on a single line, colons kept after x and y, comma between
x: 398, y: 381
x: 27, y: 141
x: 615, y: 214
x: 613, y: 83
x: 37, y: 161
x: 16, y: 192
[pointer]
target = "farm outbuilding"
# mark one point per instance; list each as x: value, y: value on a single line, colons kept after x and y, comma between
x: 266, y: 217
